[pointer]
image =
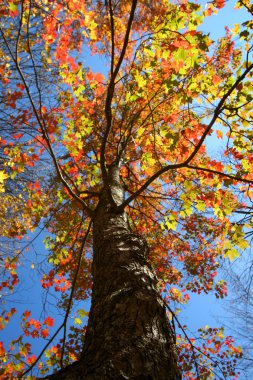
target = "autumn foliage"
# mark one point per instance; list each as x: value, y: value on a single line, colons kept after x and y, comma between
x: 88, y: 83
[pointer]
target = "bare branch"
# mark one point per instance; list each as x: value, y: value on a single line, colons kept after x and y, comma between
x: 110, y: 91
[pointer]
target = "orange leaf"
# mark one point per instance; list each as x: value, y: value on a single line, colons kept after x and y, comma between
x: 99, y: 77
x: 219, y: 134
x: 216, y: 79
x: 44, y: 333
x: 35, y: 323
x: 49, y: 321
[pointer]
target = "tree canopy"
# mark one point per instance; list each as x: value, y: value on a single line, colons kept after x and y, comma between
x: 165, y: 98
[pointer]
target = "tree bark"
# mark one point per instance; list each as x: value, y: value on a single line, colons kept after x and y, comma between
x: 128, y: 334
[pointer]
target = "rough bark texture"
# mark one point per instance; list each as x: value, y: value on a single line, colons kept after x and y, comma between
x: 128, y: 334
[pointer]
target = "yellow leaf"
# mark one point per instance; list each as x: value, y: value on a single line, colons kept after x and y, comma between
x: 236, y: 29
x: 220, y: 335
x: 3, y: 176
x: 78, y: 321
x: 171, y: 224
x: 187, y: 184
x: 176, y: 292
x: 13, y: 7
x: 188, y: 210
x: 47, y: 354
x: 243, y: 244
x: 231, y: 254
x: 200, y: 206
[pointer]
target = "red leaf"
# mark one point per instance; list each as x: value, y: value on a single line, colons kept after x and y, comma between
x: 27, y: 314
x: 44, y: 333
x: 49, y: 321
x: 31, y: 359
x: 21, y: 86
x: 35, y: 323
x: 220, y: 3
x: 36, y: 185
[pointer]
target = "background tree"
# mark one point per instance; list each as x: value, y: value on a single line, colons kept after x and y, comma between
x: 123, y: 154
x: 239, y: 305
x: 239, y: 309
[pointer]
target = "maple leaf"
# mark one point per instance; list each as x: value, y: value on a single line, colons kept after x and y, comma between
x: 3, y: 176
x: 216, y: 79
x: 44, y: 333
x: 49, y: 321
x: 31, y: 359
x: 35, y: 323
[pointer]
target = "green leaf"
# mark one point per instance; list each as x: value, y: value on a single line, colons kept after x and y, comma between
x: 47, y: 354
x: 180, y: 55
x: 187, y: 184
x: 13, y: 7
x: 82, y: 313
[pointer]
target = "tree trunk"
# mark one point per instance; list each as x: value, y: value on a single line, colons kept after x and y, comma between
x: 128, y: 334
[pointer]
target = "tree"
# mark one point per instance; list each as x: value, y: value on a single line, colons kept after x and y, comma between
x: 125, y: 155
x: 239, y: 306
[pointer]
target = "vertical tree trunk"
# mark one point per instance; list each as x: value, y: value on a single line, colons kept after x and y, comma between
x: 128, y: 334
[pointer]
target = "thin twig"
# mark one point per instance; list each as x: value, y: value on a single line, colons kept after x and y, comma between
x: 186, y: 336
x: 69, y: 303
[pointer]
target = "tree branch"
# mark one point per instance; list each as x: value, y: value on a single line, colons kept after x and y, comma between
x: 44, y: 133
x: 187, y: 338
x: 112, y: 35
x: 237, y: 178
x: 110, y: 91
x: 185, y: 163
x: 63, y: 325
